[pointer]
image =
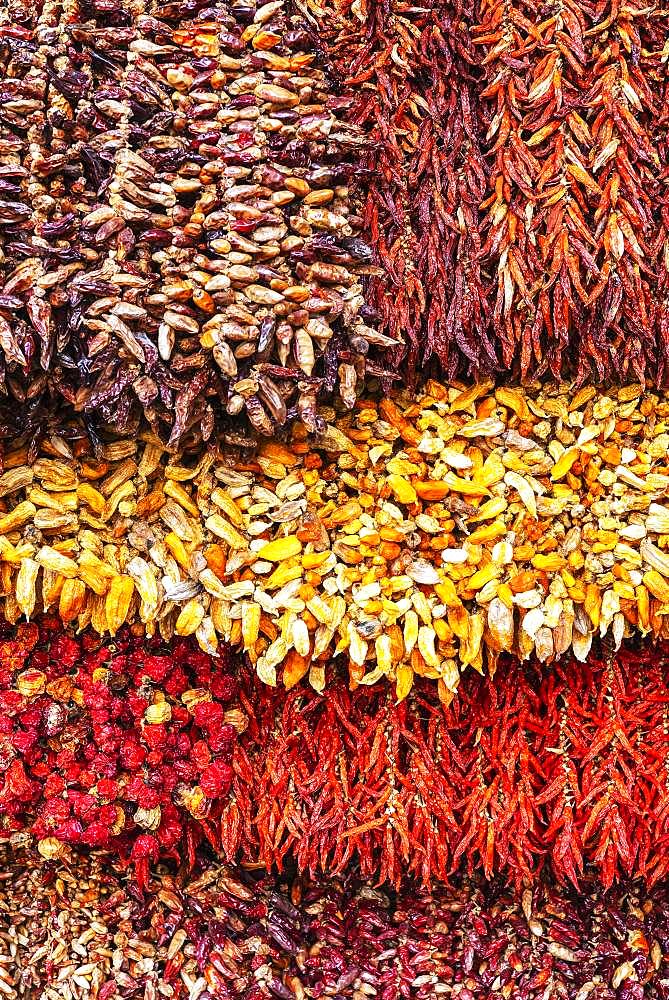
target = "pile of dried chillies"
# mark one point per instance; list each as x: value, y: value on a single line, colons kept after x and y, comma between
x: 144, y: 750
x: 213, y: 221
x: 177, y: 241
x: 418, y: 536
x: 224, y: 932
x: 125, y: 746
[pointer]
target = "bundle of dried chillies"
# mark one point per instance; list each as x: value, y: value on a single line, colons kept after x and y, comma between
x: 411, y: 75
x: 517, y: 199
x: 227, y: 932
x: 565, y: 766
x: 176, y: 234
x: 126, y: 747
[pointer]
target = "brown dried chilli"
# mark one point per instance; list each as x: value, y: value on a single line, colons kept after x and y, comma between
x: 177, y: 233
x: 516, y: 203
x: 417, y: 536
x: 228, y: 932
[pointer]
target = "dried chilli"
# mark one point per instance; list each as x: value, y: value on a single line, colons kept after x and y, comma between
x: 516, y: 197
x: 563, y: 767
x: 126, y: 747
x: 178, y: 243
x: 228, y: 932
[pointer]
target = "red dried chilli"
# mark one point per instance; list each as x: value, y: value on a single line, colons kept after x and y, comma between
x: 222, y: 932
x: 125, y: 746
x: 409, y: 74
x: 516, y: 197
x: 565, y: 766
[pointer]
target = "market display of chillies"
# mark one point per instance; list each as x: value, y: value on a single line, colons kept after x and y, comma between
x: 334, y: 500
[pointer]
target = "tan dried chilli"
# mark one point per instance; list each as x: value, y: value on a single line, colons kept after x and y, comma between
x: 79, y: 931
x: 413, y: 537
x: 202, y: 260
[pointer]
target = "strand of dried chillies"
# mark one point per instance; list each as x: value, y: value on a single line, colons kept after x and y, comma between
x: 516, y: 200
x: 568, y: 766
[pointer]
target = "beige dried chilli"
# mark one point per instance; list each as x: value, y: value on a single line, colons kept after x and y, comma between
x: 417, y: 536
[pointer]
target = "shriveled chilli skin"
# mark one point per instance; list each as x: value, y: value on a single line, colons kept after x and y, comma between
x: 229, y: 932
x: 178, y: 240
